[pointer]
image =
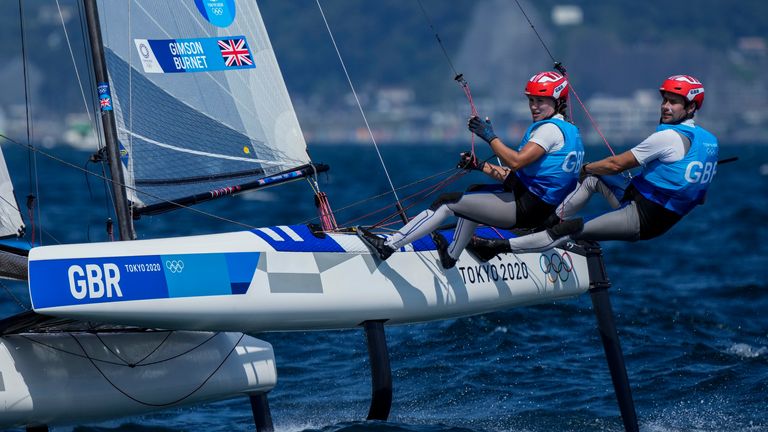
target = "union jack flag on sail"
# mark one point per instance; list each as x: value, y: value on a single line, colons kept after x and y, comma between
x: 235, y: 53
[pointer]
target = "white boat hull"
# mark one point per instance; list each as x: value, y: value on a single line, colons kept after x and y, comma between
x: 76, y: 377
x: 284, y: 278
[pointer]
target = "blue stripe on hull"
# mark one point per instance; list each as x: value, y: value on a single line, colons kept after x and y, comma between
x: 308, y: 242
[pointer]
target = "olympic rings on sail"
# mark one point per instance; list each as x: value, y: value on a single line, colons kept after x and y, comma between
x: 556, y: 266
x: 175, y: 266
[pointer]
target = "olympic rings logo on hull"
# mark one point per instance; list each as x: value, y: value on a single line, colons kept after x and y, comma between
x: 175, y: 266
x: 556, y: 266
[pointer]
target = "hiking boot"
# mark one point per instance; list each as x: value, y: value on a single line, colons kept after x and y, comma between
x: 566, y: 228
x: 446, y: 260
x: 486, y: 249
x: 375, y: 242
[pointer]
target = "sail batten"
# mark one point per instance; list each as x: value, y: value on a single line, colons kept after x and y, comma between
x: 198, y: 96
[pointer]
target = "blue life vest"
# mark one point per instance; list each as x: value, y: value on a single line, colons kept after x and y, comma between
x: 680, y: 186
x: 553, y: 176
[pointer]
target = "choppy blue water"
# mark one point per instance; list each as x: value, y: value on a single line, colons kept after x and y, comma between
x: 690, y: 308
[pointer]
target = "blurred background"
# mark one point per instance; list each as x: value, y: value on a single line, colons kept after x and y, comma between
x: 617, y: 53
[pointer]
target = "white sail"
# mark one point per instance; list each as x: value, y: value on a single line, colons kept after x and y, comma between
x: 11, y: 224
x: 198, y: 96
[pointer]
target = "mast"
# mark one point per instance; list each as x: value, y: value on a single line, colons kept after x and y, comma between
x: 122, y: 207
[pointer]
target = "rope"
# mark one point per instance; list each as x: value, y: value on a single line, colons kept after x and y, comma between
x: 138, y: 363
x: 360, y: 107
x: 421, y: 194
x: 123, y: 363
x: 559, y: 66
x: 165, y: 403
x: 32, y: 158
x: 116, y: 183
x: 459, y: 78
x: 93, y: 361
x: 74, y: 64
x: 13, y: 296
x: 373, y: 197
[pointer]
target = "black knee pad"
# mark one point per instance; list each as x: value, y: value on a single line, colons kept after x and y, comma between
x: 446, y: 198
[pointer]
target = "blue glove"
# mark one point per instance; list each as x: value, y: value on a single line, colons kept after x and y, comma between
x: 470, y: 162
x: 483, y: 129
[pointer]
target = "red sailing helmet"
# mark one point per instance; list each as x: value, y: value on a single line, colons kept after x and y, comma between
x: 686, y: 86
x: 550, y: 84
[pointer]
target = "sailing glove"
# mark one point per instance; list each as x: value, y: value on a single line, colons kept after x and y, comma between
x: 583, y: 172
x: 481, y: 128
x: 469, y: 161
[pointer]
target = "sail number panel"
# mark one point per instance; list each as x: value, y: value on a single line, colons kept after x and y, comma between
x: 67, y: 282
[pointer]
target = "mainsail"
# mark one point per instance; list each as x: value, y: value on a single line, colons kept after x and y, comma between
x: 199, y: 100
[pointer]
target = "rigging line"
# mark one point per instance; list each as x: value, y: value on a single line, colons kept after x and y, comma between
x: 362, y: 112
x: 130, y: 168
x: 109, y: 197
x: 536, y: 31
x: 136, y: 190
x: 90, y: 196
x: 32, y: 157
x: 114, y: 363
x: 236, y: 100
x: 594, y: 123
x: 224, y: 360
x: 74, y: 64
x: 13, y: 296
x: 13, y: 205
x: 90, y: 191
x: 136, y: 363
x: 26, y: 90
x: 417, y: 197
x: 426, y: 192
x: 91, y: 80
x: 371, y: 198
x: 439, y: 41
x: 559, y: 66
x: 459, y: 78
x: 62, y: 350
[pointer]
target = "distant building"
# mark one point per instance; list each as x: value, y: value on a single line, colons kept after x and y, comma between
x: 567, y: 15
x: 394, y: 98
x: 623, y: 119
x: 754, y: 45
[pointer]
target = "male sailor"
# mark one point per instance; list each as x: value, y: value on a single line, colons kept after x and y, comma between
x: 536, y: 177
x: 678, y: 162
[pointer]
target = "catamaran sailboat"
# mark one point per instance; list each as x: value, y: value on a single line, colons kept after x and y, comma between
x: 193, y: 107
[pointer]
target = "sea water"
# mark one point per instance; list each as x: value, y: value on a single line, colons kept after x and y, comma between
x: 690, y: 308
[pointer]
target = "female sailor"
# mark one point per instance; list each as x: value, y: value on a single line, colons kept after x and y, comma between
x: 535, y: 178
